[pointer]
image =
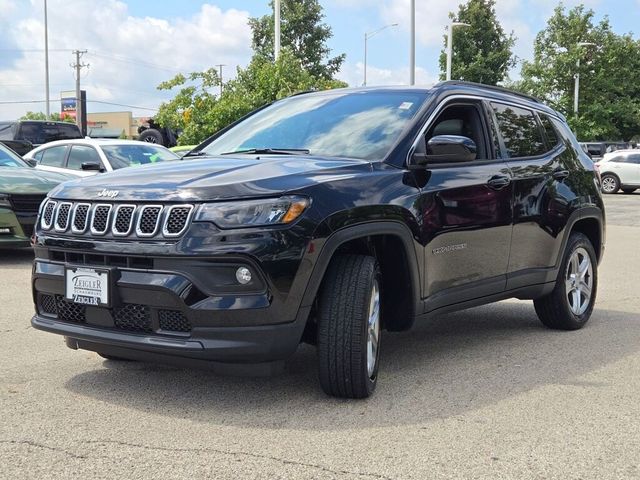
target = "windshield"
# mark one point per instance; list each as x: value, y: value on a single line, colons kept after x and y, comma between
x: 10, y: 159
x: 121, y: 156
x: 353, y: 124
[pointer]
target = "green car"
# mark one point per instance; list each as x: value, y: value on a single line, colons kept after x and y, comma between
x: 22, y: 189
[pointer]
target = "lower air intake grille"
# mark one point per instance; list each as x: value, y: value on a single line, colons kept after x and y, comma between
x: 173, y: 321
x: 48, y: 304
x: 69, y: 311
x: 133, y: 317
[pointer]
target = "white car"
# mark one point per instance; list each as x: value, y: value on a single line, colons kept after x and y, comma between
x: 85, y: 157
x: 620, y: 170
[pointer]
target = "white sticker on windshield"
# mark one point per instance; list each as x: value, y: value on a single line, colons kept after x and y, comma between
x: 405, y: 105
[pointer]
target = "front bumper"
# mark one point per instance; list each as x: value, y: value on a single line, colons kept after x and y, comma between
x: 165, y: 314
x: 13, y: 226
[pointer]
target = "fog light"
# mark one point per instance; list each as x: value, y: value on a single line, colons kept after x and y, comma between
x: 243, y: 275
x: 5, y: 231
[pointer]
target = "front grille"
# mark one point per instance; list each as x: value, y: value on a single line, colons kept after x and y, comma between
x: 26, y: 203
x: 48, y: 304
x: 173, y: 321
x: 62, y: 216
x: 133, y: 317
x: 118, y: 220
x: 100, y: 220
x: 123, y: 219
x: 149, y: 218
x: 47, y: 215
x: 80, y: 217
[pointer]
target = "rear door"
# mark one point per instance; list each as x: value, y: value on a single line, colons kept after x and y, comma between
x: 540, y: 164
x: 465, y: 208
x: 80, y: 154
x: 53, y: 159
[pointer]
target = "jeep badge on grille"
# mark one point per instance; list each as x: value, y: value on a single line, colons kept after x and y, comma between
x: 108, y: 193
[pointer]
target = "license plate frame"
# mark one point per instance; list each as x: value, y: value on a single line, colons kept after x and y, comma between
x: 88, y: 286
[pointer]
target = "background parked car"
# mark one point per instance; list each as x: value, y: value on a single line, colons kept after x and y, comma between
x: 620, y: 170
x: 22, y: 190
x: 597, y: 150
x: 21, y: 147
x: 27, y: 134
x: 90, y: 156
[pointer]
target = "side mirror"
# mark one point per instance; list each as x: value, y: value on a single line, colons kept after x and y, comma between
x: 92, y: 166
x: 31, y: 162
x: 445, y: 149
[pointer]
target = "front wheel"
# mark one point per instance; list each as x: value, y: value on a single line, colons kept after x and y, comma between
x: 610, y: 183
x: 349, y: 327
x: 569, y: 305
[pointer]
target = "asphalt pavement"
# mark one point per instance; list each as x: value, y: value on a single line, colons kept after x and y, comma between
x: 484, y: 393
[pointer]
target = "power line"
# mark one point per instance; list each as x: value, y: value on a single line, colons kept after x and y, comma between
x: 11, y: 102
x: 133, y: 61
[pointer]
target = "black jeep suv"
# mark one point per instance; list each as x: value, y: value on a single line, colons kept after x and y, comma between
x: 326, y: 218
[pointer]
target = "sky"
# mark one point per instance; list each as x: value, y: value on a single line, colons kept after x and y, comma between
x: 133, y: 45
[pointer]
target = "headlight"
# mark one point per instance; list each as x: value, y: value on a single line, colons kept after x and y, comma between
x: 4, y: 200
x: 253, y: 213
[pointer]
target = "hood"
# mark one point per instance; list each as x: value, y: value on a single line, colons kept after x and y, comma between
x: 29, y: 180
x: 213, y: 178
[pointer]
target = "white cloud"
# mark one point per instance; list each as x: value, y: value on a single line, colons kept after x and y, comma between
x: 128, y: 56
x: 353, y: 74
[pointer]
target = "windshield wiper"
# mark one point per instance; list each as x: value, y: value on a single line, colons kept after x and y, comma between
x: 197, y: 153
x: 270, y: 151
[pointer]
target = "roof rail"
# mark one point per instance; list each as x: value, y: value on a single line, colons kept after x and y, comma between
x: 490, y: 87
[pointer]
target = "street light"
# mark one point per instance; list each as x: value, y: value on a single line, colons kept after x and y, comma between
x: 46, y: 61
x: 576, y: 91
x: 450, y: 44
x: 367, y: 36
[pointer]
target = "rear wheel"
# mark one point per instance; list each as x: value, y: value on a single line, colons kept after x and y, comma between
x: 629, y: 190
x: 569, y: 305
x: 610, y: 183
x: 349, y: 327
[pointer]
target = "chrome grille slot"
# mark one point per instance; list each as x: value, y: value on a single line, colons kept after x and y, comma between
x: 62, y: 217
x: 123, y: 220
x: 80, y: 217
x: 100, y: 219
x: 148, y: 220
x: 177, y: 220
x: 47, y: 215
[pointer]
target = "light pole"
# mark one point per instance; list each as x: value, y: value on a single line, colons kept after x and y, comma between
x: 412, y: 45
x: 46, y: 62
x: 450, y: 45
x: 367, y: 36
x: 276, y: 43
x: 576, y: 90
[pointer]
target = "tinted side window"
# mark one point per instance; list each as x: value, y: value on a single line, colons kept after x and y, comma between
x: 519, y: 130
x: 549, y: 130
x: 38, y: 156
x: 618, y: 159
x: 68, y: 132
x: 82, y: 154
x: 634, y: 158
x: 38, y: 133
x: 54, y: 156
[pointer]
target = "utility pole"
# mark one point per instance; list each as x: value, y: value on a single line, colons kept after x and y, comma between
x: 78, y: 66
x: 276, y: 7
x: 576, y: 77
x: 46, y: 60
x: 450, y: 46
x: 220, y: 65
x: 412, y: 47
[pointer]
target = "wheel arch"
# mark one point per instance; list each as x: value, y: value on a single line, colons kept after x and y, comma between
x: 392, y: 244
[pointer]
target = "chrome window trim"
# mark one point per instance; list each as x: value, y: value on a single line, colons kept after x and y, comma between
x: 55, y: 222
x: 186, y: 223
x: 115, y: 219
x: 93, y: 214
x: 86, y: 220
x: 141, y: 214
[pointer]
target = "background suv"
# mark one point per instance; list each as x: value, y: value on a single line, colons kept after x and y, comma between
x: 327, y: 218
x: 620, y: 170
x: 26, y: 134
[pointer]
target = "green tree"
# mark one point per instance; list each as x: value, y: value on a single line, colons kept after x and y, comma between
x: 303, y: 32
x: 55, y: 117
x: 482, y: 51
x: 200, y: 113
x: 609, y: 95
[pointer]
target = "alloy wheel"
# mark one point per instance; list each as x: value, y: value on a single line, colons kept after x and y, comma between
x: 579, y: 281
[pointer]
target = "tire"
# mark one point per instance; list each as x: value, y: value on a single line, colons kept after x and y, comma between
x: 610, y: 183
x: 348, y: 346
x: 629, y: 190
x: 563, y: 308
x: 151, y: 135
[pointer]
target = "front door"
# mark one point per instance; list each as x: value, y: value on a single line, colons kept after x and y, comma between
x: 466, y: 213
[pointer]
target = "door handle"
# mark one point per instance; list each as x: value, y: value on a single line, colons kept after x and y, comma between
x: 498, y: 182
x: 560, y: 174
